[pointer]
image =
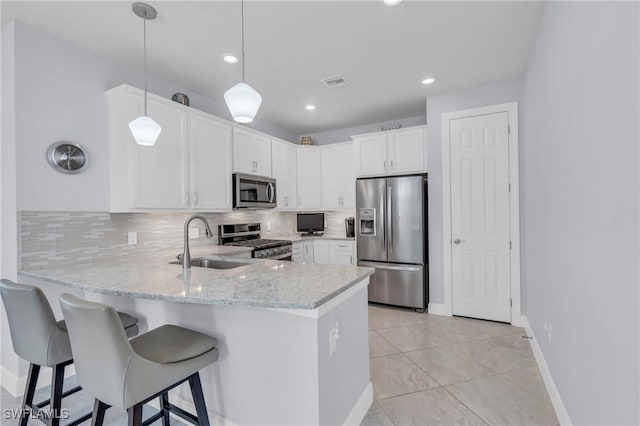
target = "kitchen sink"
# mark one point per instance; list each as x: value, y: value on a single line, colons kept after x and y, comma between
x: 213, y: 263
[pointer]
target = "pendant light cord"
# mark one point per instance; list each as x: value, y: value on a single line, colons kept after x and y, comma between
x: 144, y: 35
x: 242, y: 20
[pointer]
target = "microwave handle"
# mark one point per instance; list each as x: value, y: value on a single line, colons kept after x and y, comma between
x: 270, y: 192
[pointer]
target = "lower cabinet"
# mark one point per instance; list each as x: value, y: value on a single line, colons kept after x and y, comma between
x: 331, y: 252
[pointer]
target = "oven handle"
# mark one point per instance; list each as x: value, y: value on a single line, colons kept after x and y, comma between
x: 281, y: 256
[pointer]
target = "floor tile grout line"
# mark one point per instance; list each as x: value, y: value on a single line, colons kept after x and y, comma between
x: 465, y: 405
x: 423, y: 370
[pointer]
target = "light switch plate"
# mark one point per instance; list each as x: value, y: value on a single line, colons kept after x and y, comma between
x: 132, y: 238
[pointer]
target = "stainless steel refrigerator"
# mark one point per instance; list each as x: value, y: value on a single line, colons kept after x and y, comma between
x: 392, y: 237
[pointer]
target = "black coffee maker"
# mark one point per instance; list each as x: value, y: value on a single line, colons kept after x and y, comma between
x: 350, y: 227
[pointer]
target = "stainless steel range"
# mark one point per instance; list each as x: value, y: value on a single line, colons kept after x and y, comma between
x: 248, y: 235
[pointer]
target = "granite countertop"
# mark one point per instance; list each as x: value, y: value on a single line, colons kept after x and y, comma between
x: 259, y: 283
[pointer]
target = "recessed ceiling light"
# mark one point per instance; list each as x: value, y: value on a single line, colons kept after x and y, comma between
x: 428, y: 80
x: 391, y: 2
x: 230, y: 59
x: 310, y: 107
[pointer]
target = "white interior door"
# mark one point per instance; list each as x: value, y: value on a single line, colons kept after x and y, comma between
x: 480, y: 258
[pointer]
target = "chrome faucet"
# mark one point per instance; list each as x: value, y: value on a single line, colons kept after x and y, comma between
x: 186, y: 255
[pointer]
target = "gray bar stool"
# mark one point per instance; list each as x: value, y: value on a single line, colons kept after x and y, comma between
x: 129, y: 373
x: 43, y: 342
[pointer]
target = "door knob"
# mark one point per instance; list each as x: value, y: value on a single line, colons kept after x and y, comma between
x: 458, y: 241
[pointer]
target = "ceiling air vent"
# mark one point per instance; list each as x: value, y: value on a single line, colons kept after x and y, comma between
x: 335, y: 81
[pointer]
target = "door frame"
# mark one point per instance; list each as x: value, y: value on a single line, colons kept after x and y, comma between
x: 514, y: 204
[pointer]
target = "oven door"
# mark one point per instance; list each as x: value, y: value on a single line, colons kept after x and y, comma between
x: 254, y: 192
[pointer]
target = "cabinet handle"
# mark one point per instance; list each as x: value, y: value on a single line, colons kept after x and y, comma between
x: 195, y: 198
x: 384, y: 164
x: 391, y: 164
x: 186, y: 197
x: 351, y: 259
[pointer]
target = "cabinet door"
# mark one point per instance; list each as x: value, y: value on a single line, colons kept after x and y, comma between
x: 341, y: 253
x: 309, y: 182
x: 211, y: 163
x: 251, y: 153
x: 297, y: 251
x: 159, y: 172
x: 331, y: 177
x: 347, y: 176
x: 321, y: 251
x: 371, y: 155
x: 307, y: 252
x: 283, y: 163
x: 406, y: 151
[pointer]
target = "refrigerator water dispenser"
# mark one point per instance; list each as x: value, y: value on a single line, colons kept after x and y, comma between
x: 368, y: 222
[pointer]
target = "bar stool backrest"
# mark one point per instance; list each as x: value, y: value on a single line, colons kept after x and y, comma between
x: 101, y: 349
x: 33, y: 326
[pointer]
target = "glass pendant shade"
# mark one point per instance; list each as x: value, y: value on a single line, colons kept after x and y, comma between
x: 145, y: 131
x: 243, y: 102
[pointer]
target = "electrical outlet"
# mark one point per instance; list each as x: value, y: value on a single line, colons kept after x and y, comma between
x: 132, y: 238
x: 547, y: 328
x: 334, y: 336
x: 194, y: 233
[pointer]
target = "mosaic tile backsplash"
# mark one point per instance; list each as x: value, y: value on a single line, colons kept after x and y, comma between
x: 71, y: 237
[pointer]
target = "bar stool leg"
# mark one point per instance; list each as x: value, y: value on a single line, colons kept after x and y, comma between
x: 165, y: 407
x: 55, y: 406
x: 29, y: 392
x: 198, y: 399
x: 135, y: 415
x: 99, y: 409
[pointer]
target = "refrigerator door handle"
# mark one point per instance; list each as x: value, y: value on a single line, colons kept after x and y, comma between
x: 390, y: 216
x: 383, y: 209
x: 408, y: 268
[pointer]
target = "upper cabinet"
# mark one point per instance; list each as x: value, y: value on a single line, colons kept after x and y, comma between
x: 338, y: 176
x: 184, y: 168
x: 283, y: 164
x: 251, y: 152
x: 210, y: 152
x: 309, y: 178
x: 393, y: 152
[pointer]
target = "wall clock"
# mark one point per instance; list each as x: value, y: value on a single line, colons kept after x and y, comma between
x: 67, y: 157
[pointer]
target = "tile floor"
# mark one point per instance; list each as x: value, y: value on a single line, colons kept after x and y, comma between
x: 426, y: 370
x: 435, y: 370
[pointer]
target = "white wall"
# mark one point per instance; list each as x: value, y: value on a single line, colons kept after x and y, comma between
x: 492, y: 94
x: 581, y: 205
x: 60, y: 96
x: 344, y: 134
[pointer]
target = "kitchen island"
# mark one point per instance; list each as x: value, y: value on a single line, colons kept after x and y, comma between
x: 292, y: 337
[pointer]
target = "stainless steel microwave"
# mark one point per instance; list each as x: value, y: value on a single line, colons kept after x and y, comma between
x: 253, y: 192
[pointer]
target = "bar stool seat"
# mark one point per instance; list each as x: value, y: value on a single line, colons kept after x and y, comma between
x: 44, y: 342
x: 129, y: 373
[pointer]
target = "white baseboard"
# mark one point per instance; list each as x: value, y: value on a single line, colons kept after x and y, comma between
x: 15, y: 384
x: 360, y: 409
x: 552, y: 390
x: 438, y: 309
x: 521, y: 321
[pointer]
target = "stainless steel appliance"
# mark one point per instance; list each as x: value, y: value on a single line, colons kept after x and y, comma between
x: 253, y: 192
x: 392, y: 237
x: 248, y: 235
x: 350, y: 227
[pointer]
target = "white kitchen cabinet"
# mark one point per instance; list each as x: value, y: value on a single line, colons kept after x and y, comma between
x: 297, y: 251
x: 321, y: 251
x: 210, y: 151
x: 341, y: 252
x: 393, y: 152
x: 307, y: 251
x: 251, y: 152
x: 309, y: 178
x: 188, y: 168
x: 283, y: 163
x: 338, y: 177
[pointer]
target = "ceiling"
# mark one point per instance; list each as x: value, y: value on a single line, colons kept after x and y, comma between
x: 383, y: 52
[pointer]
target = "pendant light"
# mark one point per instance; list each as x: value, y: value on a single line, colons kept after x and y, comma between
x: 145, y: 131
x: 243, y: 100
